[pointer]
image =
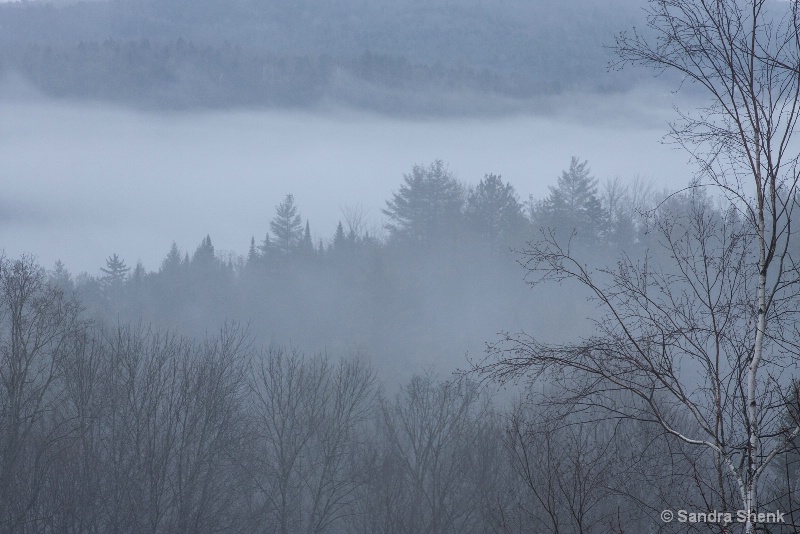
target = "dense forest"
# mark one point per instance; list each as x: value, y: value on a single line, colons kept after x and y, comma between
x: 286, y: 390
x: 605, y: 357
x: 441, y: 280
x: 393, y: 57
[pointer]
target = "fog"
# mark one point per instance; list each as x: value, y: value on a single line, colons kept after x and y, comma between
x: 83, y: 181
x: 526, y: 323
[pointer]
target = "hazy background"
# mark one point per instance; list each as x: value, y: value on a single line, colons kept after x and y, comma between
x: 85, y: 180
x: 201, y: 381
x: 130, y: 125
x: 126, y: 125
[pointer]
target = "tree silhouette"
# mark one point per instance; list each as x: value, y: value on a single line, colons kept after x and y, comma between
x: 493, y: 209
x: 574, y: 205
x: 286, y: 226
x: 427, y: 206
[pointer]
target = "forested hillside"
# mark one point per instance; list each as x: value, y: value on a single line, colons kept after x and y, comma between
x: 286, y: 390
x: 602, y: 357
x: 444, y: 280
x: 399, y: 57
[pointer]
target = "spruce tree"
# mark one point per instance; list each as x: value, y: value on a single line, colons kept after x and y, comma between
x: 493, y: 209
x: 172, y: 263
x: 252, y: 253
x: 339, y: 240
x: 204, y: 255
x: 427, y: 206
x: 265, y: 247
x: 307, y: 245
x: 287, y: 226
x: 574, y: 204
x: 61, y: 278
x: 114, y: 274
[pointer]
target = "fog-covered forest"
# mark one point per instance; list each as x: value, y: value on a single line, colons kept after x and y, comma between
x: 442, y: 282
x: 570, y: 351
x: 307, y: 387
x: 404, y: 57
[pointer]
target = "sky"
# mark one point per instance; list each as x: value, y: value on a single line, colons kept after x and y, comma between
x: 85, y: 181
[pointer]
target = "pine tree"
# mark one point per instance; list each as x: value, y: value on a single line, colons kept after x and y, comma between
x: 574, y: 205
x: 61, y: 278
x: 172, y: 263
x: 427, y: 206
x: 252, y: 253
x: 138, y: 274
x: 114, y: 274
x: 494, y: 210
x: 339, y: 240
x: 287, y: 226
x: 306, y: 244
x: 204, y: 255
x: 265, y: 247
x: 136, y: 281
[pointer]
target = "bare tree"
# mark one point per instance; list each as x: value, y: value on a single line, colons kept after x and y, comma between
x: 76, y: 485
x: 575, y: 469
x: 38, y: 327
x: 434, y: 464
x: 726, y: 306
x: 624, y: 204
x: 745, y: 55
x: 306, y: 414
x: 205, y: 479
x: 355, y: 217
x: 568, y: 469
x: 171, y: 429
x: 678, y: 335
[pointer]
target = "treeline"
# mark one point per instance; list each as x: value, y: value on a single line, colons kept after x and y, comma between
x: 181, y: 75
x: 129, y: 404
x: 399, y: 57
x: 133, y: 429
x: 440, y: 280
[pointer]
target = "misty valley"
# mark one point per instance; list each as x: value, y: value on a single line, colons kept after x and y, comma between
x: 309, y: 386
x: 399, y: 267
x: 340, y: 385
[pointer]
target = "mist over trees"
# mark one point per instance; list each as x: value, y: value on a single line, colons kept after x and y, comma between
x: 305, y: 387
x: 404, y: 57
x: 703, y: 342
x: 444, y: 263
x: 352, y: 379
x: 124, y: 428
x: 162, y: 415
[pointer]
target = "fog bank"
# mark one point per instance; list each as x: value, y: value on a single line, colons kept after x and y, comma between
x: 83, y: 182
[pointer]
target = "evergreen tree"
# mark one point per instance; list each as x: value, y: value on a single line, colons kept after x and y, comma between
x: 339, y: 240
x: 427, y: 206
x: 306, y: 244
x: 61, y: 278
x: 265, y: 247
x: 136, y: 284
x: 204, y: 255
x: 138, y: 274
x: 287, y: 226
x: 114, y: 274
x: 172, y: 263
x: 252, y: 253
x: 494, y: 210
x: 574, y: 205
